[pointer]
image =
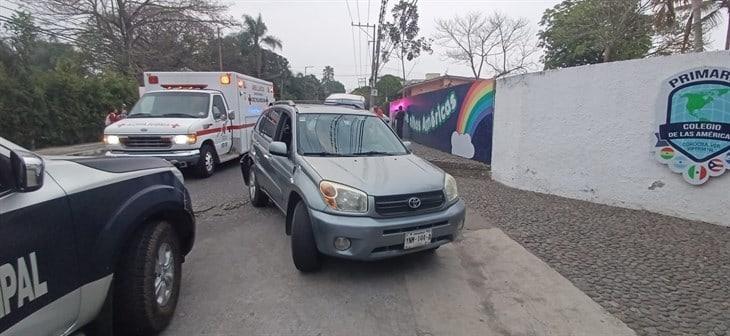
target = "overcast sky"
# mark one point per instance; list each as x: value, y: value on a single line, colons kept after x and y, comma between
x: 318, y: 33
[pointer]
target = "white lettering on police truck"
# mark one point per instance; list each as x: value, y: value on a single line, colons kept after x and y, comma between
x: 20, y: 283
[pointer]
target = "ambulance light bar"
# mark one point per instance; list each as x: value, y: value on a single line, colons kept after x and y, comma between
x: 185, y: 86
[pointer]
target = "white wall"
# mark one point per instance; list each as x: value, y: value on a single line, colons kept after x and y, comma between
x: 588, y: 133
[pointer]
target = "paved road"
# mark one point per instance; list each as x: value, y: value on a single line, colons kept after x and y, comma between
x: 239, y: 280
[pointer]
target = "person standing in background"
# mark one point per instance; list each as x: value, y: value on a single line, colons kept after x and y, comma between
x: 112, y: 117
x: 124, y: 112
x: 399, y: 117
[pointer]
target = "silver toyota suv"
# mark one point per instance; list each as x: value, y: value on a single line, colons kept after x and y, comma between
x: 348, y: 186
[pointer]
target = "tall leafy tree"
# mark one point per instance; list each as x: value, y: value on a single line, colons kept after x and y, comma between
x: 577, y: 32
x: 132, y: 35
x: 389, y: 87
x: 402, y: 35
x: 328, y: 74
x: 695, y: 16
x: 255, y: 36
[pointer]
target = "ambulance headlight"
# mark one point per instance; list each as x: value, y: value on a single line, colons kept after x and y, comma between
x: 185, y: 139
x: 111, y: 139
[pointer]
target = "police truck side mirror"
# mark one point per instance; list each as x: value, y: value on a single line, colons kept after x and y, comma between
x: 28, y: 171
x: 231, y: 115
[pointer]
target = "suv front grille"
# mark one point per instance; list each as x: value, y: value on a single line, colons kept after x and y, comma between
x: 146, y: 142
x: 398, y: 204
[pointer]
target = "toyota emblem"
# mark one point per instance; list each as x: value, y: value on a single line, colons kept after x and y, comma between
x: 414, y: 202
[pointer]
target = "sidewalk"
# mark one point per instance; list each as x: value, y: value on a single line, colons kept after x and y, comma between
x: 660, y: 275
x: 87, y: 149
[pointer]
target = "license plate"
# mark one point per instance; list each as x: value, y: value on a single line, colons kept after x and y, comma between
x: 417, y: 239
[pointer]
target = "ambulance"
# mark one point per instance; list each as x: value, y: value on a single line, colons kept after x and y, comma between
x: 195, y: 120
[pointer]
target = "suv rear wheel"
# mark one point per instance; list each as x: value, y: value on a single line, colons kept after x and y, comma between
x: 304, y: 251
x: 258, y: 198
x: 147, y: 283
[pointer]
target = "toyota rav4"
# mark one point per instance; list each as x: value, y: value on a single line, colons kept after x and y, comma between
x: 347, y: 185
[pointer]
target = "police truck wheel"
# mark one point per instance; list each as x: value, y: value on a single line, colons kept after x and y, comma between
x: 258, y: 198
x: 147, y: 281
x: 206, y: 163
x: 303, y: 247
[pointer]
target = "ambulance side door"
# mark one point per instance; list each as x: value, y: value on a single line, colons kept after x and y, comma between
x: 223, y: 139
x: 39, y: 283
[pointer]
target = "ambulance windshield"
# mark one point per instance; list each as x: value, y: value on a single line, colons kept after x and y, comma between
x: 171, y: 105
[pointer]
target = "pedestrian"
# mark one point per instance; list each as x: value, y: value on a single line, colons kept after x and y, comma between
x: 379, y: 112
x: 112, y: 116
x: 123, y: 113
x: 399, y: 117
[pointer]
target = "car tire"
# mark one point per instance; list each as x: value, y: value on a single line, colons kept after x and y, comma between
x: 152, y: 260
x: 304, y: 251
x: 206, y: 163
x: 258, y: 198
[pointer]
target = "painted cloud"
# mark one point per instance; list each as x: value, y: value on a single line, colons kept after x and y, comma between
x: 461, y: 145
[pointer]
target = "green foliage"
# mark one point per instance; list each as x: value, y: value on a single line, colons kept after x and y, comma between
x: 388, y: 89
x: 53, y: 100
x: 577, y: 32
x: 402, y: 33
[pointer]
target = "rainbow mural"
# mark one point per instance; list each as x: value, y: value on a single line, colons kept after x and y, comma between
x: 476, y: 105
x: 456, y: 119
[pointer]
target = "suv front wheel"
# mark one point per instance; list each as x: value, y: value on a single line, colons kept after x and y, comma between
x: 304, y: 251
x: 258, y: 198
x: 147, y: 283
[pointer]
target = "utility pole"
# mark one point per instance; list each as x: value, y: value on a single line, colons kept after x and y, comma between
x: 372, y: 64
x: 305, y: 69
x: 220, y: 50
x: 378, y: 36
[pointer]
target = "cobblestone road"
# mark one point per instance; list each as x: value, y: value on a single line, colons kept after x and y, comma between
x: 661, y: 275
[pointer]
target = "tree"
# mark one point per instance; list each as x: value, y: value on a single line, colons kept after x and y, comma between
x: 466, y: 39
x: 695, y: 16
x: 130, y: 35
x: 254, y: 35
x: 405, y: 44
x: 505, y: 45
x: 595, y: 31
x: 389, y: 87
x: 328, y: 74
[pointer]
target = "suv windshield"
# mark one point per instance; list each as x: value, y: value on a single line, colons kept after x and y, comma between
x: 345, y: 135
x: 171, y: 105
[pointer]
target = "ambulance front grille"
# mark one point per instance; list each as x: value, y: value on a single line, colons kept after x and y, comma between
x: 146, y: 142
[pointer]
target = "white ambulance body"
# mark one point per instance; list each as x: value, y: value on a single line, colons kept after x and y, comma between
x: 192, y: 119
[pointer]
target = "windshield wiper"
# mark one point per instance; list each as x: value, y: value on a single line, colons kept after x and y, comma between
x: 324, y: 154
x: 180, y: 115
x: 375, y: 153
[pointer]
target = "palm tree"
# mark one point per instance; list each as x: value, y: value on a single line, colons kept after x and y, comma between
x: 254, y: 35
x: 708, y: 13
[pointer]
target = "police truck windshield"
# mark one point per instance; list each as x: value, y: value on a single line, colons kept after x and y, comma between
x: 171, y: 105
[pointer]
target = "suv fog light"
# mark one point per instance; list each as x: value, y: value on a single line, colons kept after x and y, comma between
x: 342, y: 243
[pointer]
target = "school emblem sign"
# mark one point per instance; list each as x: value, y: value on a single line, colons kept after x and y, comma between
x: 694, y: 123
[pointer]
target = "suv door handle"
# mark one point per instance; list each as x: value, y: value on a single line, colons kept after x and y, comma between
x: 267, y: 156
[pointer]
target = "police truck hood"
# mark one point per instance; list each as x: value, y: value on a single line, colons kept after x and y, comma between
x: 380, y: 175
x: 152, y: 126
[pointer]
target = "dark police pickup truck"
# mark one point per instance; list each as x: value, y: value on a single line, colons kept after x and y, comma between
x: 92, y: 243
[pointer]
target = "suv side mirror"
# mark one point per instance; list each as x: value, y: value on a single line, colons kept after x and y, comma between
x: 231, y: 115
x: 278, y: 148
x: 28, y: 171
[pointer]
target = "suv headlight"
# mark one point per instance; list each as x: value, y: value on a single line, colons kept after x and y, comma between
x: 343, y: 198
x: 111, y: 139
x: 450, y: 190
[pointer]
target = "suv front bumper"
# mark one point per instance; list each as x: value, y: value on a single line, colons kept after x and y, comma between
x: 379, y: 238
x: 181, y: 158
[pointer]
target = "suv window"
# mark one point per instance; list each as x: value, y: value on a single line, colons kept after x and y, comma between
x: 269, y: 121
x: 285, y: 133
x: 219, y: 107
